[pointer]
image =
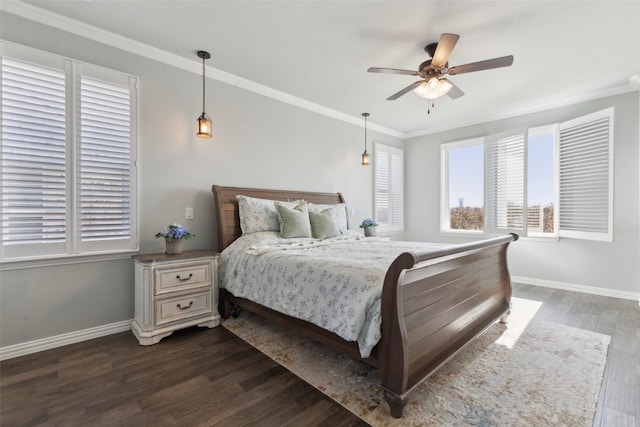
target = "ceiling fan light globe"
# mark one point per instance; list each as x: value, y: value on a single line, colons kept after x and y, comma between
x: 445, y: 86
x: 428, y: 91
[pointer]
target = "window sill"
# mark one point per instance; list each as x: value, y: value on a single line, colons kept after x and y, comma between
x: 549, y: 239
x: 385, y: 232
x: 40, y: 262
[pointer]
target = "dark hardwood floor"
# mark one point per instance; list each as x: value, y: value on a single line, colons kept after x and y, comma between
x: 205, y: 377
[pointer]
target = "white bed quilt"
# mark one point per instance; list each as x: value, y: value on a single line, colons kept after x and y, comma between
x: 333, y: 283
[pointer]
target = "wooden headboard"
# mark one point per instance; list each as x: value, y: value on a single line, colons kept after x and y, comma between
x: 227, y: 206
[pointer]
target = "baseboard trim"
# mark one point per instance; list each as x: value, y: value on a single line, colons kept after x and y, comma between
x: 577, y: 288
x: 35, y: 346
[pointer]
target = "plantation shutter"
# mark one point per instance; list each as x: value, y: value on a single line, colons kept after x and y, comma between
x: 33, y: 156
x: 389, y: 182
x: 505, y: 186
x: 105, y: 169
x: 586, y: 177
x: 68, y: 156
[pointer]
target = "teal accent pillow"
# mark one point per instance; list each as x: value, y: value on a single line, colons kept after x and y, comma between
x: 294, y: 222
x: 323, y: 225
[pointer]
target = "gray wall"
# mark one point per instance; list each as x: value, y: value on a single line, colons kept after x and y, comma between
x: 613, y: 266
x: 258, y: 142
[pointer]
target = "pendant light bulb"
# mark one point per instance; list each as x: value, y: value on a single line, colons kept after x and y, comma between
x: 204, y: 122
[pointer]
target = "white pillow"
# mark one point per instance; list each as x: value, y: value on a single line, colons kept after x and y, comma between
x: 338, y: 213
x: 259, y: 214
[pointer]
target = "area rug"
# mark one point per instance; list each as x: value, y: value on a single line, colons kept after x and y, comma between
x: 525, y: 373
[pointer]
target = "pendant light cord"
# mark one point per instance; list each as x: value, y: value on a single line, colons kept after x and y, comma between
x: 203, y: 83
x: 365, y: 133
x: 365, y: 115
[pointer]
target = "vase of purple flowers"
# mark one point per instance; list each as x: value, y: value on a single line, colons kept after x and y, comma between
x: 174, y: 236
x: 369, y: 225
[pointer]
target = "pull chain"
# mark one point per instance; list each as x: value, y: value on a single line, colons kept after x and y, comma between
x: 433, y: 105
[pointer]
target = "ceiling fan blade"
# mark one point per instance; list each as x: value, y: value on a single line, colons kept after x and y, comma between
x: 455, y: 91
x: 445, y: 46
x: 505, y: 61
x: 405, y: 90
x: 392, y: 71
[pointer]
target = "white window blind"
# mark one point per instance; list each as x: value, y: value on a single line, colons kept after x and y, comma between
x: 33, y: 154
x: 105, y: 169
x: 586, y: 177
x: 68, y: 178
x: 505, y: 190
x: 388, y: 165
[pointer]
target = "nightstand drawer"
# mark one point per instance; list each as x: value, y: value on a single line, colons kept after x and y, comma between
x: 183, y: 277
x: 180, y: 308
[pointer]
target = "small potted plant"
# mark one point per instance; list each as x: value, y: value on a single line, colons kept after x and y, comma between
x: 174, y: 237
x: 369, y: 225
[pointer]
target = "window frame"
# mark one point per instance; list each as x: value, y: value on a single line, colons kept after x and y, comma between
x: 537, y: 131
x: 73, y: 246
x: 554, y: 129
x: 445, y: 209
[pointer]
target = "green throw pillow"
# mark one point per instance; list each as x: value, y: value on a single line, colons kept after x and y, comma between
x: 294, y: 222
x: 322, y: 224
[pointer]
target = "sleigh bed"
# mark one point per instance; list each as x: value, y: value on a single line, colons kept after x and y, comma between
x: 433, y: 301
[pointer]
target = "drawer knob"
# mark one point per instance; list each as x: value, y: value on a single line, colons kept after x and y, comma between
x: 184, y: 279
x: 186, y: 307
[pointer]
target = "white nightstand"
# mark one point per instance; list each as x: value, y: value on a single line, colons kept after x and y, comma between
x: 174, y: 292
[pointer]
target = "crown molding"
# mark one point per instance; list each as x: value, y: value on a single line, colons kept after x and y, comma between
x: 51, y: 19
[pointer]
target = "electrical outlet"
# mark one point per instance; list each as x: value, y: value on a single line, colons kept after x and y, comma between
x: 188, y: 213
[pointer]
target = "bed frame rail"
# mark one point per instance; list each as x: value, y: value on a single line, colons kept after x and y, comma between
x: 434, y: 303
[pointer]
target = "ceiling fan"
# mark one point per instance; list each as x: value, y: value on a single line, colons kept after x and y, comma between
x: 432, y: 85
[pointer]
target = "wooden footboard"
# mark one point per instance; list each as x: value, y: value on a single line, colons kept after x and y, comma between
x: 433, y: 304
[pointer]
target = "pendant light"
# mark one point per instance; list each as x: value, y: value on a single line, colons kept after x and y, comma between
x: 365, y: 156
x: 204, y: 122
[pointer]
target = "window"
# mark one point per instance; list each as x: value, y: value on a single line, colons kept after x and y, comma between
x: 68, y: 180
x: 388, y: 197
x: 463, y: 186
x: 561, y: 173
x: 542, y: 181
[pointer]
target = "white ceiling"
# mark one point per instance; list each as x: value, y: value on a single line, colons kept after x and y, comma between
x: 318, y: 52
